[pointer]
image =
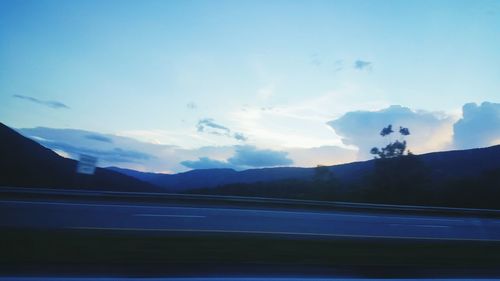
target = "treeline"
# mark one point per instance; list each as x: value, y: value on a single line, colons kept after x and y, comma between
x: 401, y: 180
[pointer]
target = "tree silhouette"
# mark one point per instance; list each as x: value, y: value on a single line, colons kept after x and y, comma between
x: 399, y: 176
x: 393, y: 149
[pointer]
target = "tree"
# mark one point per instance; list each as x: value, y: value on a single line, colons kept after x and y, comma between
x: 393, y: 149
x: 399, y: 176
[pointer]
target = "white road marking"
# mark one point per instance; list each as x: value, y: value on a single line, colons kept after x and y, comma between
x: 438, y: 226
x: 229, y: 209
x: 173, y: 216
x: 419, y: 225
x: 280, y: 233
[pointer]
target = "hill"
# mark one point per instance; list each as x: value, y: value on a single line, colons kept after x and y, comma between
x: 25, y: 163
x: 443, y: 166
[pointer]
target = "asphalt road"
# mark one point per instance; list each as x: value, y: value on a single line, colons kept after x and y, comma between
x: 218, y: 279
x: 46, y: 214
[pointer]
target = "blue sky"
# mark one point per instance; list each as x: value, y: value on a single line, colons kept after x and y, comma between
x: 267, y: 75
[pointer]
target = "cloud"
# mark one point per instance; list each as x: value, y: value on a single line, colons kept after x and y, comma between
x: 478, y: 127
x: 51, y: 104
x: 114, y: 155
x: 191, y: 105
x: 100, y: 138
x: 244, y: 157
x: 240, y: 136
x: 110, y: 149
x: 250, y: 156
x: 431, y: 131
x: 72, y: 143
x: 206, y: 163
x: 209, y: 126
x: 127, y: 152
x: 361, y: 65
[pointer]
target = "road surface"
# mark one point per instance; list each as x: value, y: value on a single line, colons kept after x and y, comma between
x: 47, y: 214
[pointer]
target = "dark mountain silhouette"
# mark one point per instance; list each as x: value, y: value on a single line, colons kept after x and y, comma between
x: 25, y: 163
x: 443, y: 166
x: 215, y: 177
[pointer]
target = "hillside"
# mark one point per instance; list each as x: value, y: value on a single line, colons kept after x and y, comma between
x: 443, y: 166
x: 25, y: 163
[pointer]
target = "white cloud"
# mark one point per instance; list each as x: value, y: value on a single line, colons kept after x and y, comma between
x: 300, y: 124
x: 430, y: 131
x: 478, y: 127
x: 122, y: 151
x: 278, y: 128
x: 130, y: 153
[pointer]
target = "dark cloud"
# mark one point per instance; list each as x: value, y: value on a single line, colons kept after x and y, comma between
x: 478, y: 127
x: 191, y: 105
x: 240, y: 137
x: 51, y: 104
x: 362, y: 128
x: 209, y: 126
x: 244, y: 157
x: 114, y: 155
x: 206, y: 163
x: 250, y: 156
x: 100, y: 138
x: 108, y: 148
x: 361, y: 65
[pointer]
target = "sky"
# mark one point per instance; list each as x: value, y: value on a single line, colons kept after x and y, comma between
x: 169, y: 86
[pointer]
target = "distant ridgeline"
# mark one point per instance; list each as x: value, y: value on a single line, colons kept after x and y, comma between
x: 25, y: 163
x: 466, y: 178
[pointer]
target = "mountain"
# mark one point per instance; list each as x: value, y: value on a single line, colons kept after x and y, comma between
x: 447, y: 165
x: 208, y: 178
x: 25, y: 163
x: 215, y: 177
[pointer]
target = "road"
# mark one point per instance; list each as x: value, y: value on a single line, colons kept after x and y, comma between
x: 222, y: 279
x: 81, y: 214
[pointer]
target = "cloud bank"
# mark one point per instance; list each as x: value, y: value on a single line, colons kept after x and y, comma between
x: 357, y: 130
x: 245, y: 157
x: 126, y: 152
x: 75, y: 142
x: 100, y: 138
x: 478, y: 127
x: 250, y: 156
x: 431, y: 131
x: 207, y: 163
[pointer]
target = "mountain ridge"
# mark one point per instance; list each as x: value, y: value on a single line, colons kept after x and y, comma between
x: 26, y: 163
x: 443, y: 165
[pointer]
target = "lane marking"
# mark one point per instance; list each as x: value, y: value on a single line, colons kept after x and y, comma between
x: 425, y: 225
x: 280, y: 233
x: 170, y: 216
x: 420, y: 225
x: 229, y: 209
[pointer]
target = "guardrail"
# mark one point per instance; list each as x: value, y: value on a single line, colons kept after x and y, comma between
x: 262, y: 201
